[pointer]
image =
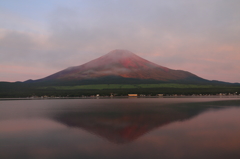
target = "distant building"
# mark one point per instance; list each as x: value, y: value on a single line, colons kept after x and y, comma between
x: 159, y: 94
x: 132, y: 95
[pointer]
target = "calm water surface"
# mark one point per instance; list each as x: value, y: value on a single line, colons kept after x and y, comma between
x: 166, y: 128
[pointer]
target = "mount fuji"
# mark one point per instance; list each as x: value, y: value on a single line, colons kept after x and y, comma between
x: 125, y: 65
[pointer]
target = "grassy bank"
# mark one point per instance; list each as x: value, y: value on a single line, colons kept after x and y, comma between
x: 133, y: 86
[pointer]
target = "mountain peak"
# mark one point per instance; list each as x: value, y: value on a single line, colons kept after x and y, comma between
x: 121, y: 63
x: 119, y: 54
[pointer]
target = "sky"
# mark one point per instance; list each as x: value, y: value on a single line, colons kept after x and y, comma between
x: 41, y: 37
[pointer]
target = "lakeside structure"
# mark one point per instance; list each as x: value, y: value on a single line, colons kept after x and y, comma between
x: 132, y: 95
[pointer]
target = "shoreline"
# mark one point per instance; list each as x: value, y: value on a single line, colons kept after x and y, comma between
x: 124, y: 97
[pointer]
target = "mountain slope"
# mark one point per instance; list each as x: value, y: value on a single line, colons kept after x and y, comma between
x: 124, y: 64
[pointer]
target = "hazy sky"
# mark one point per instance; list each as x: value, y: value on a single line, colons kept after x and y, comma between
x: 41, y: 37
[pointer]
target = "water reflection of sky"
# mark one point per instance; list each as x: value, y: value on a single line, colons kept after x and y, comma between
x: 169, y: 130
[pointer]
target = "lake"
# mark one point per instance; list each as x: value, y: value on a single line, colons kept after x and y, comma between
x: 128, y: 128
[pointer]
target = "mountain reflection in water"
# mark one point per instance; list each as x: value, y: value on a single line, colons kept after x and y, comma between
x: 124, y: 124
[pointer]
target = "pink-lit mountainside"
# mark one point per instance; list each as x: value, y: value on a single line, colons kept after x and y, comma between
x: 122, y: 64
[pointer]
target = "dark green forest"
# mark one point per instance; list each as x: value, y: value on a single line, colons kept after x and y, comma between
x: 105, y: 87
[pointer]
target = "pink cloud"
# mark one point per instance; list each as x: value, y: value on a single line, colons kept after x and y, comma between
x: 23, y: 73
